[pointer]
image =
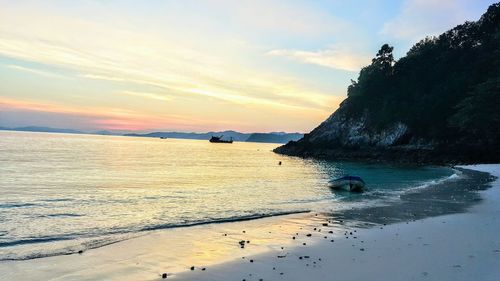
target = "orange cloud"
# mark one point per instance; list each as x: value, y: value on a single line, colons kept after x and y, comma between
x: 104, y: 118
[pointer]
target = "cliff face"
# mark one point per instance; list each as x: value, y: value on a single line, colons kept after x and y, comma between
x: 345, y: 131
x: 438, y: 104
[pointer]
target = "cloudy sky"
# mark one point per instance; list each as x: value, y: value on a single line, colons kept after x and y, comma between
x: 199, y: 65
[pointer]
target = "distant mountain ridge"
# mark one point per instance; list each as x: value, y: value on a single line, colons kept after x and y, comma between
x: 237, y: 136
x: 438, y: 104
x: 273, y: 137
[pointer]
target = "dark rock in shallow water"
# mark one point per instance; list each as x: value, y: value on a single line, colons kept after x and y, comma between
x: 164, y: 276
x: 192, y: 267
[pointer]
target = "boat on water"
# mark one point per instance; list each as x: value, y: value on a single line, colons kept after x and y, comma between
x: 349, y: 183
x: 215, y: 139
x: 163, y: 138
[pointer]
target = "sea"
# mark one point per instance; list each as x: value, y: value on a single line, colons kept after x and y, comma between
x: 64, y: 193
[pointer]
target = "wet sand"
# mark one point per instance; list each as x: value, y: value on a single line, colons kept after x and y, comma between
x: 460, y: 244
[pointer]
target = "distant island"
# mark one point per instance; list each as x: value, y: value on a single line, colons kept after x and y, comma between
x: 273, y: 137
x: 43, y: 130
x: 438, y: 104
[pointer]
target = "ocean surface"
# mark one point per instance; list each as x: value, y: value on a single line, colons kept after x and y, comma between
x: 61, y: 193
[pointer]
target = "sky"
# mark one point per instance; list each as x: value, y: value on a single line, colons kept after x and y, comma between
x: 250, y: 66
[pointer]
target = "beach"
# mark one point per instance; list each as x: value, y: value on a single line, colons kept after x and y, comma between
x: 308, y: 246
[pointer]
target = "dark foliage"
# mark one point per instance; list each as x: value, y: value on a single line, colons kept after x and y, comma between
x: 446, y: 87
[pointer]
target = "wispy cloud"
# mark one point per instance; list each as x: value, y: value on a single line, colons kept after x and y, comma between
x: 334, y: 57
x: 286, y: 18
x: 35, y: 71
x: 153, y: 96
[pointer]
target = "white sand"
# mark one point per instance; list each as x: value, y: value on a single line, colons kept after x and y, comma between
x: 453, y: 247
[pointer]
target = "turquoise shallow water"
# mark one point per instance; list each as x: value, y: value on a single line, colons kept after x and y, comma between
x: 60, y: 193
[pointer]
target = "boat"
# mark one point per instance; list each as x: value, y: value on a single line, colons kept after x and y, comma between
x: 349, y: 183
x: 215, y: 139
x: 163, y: 138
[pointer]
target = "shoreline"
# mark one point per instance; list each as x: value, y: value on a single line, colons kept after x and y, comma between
x: 461, y: 246
x: 174, y: 251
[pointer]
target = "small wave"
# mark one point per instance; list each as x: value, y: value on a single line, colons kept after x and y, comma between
x: 16, y: 205
x: 455, y: 176
x: 33, y: 241
x: 57, y: 200
x: 67, y: 250
x: 224, y: 220
x: 60, y: 215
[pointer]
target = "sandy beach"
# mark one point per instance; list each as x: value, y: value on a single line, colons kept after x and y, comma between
x: 462, y: 246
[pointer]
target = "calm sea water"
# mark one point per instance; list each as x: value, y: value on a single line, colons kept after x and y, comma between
x: 60, y: 193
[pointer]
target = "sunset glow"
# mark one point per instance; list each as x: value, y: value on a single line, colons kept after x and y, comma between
x: 195, y: 65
